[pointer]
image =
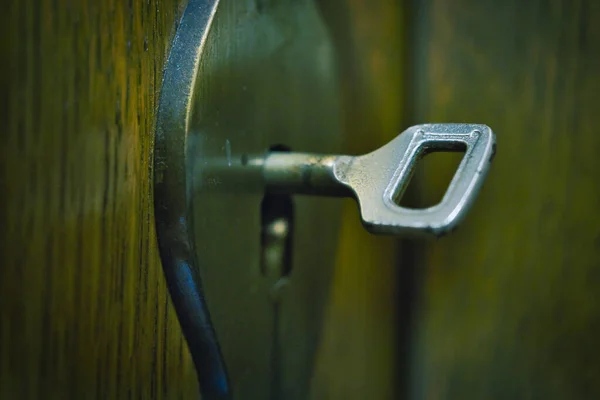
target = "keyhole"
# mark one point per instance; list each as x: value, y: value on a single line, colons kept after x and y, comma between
x: 277, y: 222
x: 277, y: 228
x: 277, y: 214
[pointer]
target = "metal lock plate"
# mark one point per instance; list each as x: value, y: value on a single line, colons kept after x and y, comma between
x: 266, y: 77
x: 243, y: 81
x: 244, y: 76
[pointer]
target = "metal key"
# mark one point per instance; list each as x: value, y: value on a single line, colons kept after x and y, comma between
x: 377, y: 180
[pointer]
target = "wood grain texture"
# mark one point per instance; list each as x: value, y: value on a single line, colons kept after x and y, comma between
x: 84, y: 310
x: 510, y: 306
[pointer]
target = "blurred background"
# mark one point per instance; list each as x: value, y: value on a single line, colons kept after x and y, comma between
x: 506, y: 307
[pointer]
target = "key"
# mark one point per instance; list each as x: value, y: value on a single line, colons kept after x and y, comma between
x: 378, y: 180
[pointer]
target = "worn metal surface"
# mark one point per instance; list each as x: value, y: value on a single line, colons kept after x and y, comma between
x: 262, y: 75
x: 510, y: 305
x: 173, y: 196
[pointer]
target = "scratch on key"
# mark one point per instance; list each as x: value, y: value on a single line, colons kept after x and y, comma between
x: 228, y: 152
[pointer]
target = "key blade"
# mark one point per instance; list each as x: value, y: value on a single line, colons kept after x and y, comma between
x: 378, y: 179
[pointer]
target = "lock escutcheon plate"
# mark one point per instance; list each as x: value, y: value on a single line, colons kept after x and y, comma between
x: 240, y: 79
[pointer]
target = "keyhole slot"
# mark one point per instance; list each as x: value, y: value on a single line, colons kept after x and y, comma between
x: 277, y: 227
x: 277, y: 221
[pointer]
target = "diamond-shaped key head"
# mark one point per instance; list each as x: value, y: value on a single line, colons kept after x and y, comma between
x: 379, y: 179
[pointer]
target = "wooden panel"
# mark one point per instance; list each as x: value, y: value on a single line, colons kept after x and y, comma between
x: 357, y: 358
x: 510, y: 305
x: 84, y: 306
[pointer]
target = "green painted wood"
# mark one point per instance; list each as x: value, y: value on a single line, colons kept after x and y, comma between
x: 509, y: 305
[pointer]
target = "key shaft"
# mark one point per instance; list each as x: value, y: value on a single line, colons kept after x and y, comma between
x: 304, y: 173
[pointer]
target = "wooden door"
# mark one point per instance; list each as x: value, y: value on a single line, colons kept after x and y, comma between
x: 508, y: 306
x: 85, y: 312
x: 504, y: 308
